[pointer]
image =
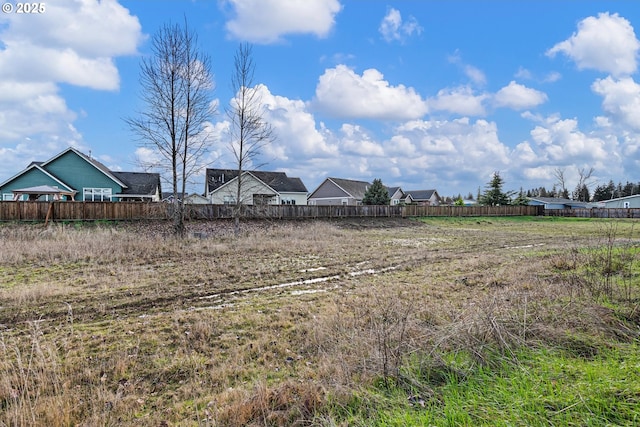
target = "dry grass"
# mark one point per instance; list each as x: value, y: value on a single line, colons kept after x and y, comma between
x: 122, y: 325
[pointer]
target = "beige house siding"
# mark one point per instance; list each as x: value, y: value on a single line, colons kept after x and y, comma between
x: 252, y: 189
x: 293, y: 198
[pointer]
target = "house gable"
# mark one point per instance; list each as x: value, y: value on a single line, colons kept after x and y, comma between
x: 396, y: 195
x: 73, y: 172
x: 273, y: 187
x: 252, y: 187
x: 82, y: 173
x: 339, y: 191
x: 32, y: 176
x: 430, y: 197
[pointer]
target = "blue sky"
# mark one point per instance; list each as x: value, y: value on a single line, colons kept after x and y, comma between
x: 422, y: 94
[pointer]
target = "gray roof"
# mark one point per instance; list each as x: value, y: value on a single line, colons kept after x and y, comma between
x: 556, y: 200
x: 392, y: 190
x: 139, y: 183
x: 43, y: 189
x: 561, y: 201
x: 279, y: 181
x: 418, y: 195
x: 355, y: 188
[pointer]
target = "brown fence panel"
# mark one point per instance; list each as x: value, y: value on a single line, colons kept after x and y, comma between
x: 595, y: 213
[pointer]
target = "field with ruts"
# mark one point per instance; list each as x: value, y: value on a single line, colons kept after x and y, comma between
x: 303, y: 322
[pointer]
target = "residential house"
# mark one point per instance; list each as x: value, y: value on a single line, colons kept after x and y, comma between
x: 424, y: 197
x: 196, y: 199
x: 189, y: 199
x: 258, y: 188
x: 551, y: 203
x: 338, y: 191
x: 622, y: 202
x: 397, y: 196
x: 72, y: 175
x: 167, y: 197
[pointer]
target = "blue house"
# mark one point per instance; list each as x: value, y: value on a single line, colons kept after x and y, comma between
x: 627, y: 202
x: 72, y: 175
x: 558, y: 203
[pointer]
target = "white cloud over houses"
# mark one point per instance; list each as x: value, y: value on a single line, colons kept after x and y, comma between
x: 342, y: 93
x: 74, y: 42
x: 268, y: 21
x: 560, y: 141
x: 292, y: 122
x: 393, y: 28
x: 604, y: 43
x: 519, y: 97
x: 450, y: 152
x: 356, y: 141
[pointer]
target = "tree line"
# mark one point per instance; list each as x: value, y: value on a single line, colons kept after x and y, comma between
x: 494, y: 195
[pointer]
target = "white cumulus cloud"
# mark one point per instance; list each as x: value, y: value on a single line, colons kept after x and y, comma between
x: 343, y: 93
x: 561, y: 141
x: 519, y: 97
x: 267, y: 21
x: 605, y: 43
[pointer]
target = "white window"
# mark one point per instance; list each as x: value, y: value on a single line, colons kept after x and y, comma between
x: 229, y: 200
x: 7, y: 197
x: 96, y: 194
x: 627, y: 205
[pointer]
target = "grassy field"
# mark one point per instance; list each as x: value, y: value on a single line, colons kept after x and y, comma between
x: 439, y: 321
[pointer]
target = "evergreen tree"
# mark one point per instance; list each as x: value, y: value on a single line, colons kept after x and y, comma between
x: 376, y: 194
x: 521, y: 199
x: 581, y: 193
x: 600, y: 193
x: 627, y: 190
x: 493, y: 195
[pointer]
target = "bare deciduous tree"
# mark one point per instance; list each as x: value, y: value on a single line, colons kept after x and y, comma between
x: 581, y: 192
x: 558, y: 173
x: 177, y: 89
x: 248, y: 131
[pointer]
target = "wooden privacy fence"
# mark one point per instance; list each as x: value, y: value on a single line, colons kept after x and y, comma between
x: 125, y: 211
x: 596, y: 213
